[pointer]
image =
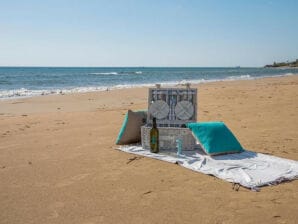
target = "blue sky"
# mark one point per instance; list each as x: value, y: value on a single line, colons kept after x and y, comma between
x: 147, y: 33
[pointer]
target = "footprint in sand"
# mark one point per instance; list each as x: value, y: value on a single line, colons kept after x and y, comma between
x: 42, y: 184
x: 72, y: 180
x: 6, y: 133
x: 54, y: 207
x: 17, y: 102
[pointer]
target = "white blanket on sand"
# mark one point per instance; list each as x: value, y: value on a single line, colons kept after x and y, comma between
x: 249, y: 169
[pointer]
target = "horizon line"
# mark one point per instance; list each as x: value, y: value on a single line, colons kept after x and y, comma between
x: 66, y: 66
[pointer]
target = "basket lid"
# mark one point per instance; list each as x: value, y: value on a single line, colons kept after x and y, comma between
x: 172, y: 106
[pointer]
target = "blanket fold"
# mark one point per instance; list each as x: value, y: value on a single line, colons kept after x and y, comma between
x: 249, y: 169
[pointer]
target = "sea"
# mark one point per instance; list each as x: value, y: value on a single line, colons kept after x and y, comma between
x: 18, y: 82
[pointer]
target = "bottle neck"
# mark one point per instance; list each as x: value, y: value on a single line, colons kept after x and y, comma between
x: 154, y: 123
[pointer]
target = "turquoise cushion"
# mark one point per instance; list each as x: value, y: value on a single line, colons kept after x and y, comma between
x: 130, y: 131
x: 215, y: 137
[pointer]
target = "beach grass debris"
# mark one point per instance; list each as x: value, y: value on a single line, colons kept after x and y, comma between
x: 133, y: 159
x: 147, y: 192
x: 235, y: 186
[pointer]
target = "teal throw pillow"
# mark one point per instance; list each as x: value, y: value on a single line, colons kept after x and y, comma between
x: 215, y: 137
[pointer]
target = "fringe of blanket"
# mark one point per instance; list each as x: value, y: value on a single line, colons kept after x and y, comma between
x: 235, y: 185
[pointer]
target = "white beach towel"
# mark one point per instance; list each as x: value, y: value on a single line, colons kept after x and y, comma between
x: 249, y: 169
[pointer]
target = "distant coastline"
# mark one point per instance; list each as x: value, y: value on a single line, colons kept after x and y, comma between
x: 293, y: 64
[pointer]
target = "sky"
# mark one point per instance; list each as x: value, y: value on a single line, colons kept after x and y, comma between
x: 176, y: 33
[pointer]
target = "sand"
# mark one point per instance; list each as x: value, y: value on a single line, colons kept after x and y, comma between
x: 58, y: 163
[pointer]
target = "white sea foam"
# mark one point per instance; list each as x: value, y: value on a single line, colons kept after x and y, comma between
x: 104, y: 73
x: 23, y: 92
x: 239, y: 77
x: 289, y: 74
x: 116, y: 73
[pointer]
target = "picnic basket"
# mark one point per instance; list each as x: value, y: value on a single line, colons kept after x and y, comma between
x: 173, y: 108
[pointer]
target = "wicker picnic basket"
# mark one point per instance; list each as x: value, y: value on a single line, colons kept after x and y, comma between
x: 173, y: 108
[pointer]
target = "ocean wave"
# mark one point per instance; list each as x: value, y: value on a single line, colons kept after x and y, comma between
x: 117, y: 73
x: 289, y: 74
x: 239, y: 77
x: 23, y: 92
x: 131, y: 72
x: 103, y: 73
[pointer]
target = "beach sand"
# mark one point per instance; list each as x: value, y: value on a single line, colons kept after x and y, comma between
x: 58, y: 163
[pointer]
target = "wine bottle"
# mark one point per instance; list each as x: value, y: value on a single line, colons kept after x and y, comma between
x: 154, y: 138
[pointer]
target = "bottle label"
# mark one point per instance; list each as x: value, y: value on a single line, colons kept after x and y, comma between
x: 153, y: 140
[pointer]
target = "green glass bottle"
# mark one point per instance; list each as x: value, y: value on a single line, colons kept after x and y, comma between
x: 154, y: 138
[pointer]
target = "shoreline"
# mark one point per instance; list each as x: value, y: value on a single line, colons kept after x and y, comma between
x: 77, y: 90
x: 58, y: 163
